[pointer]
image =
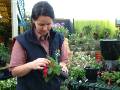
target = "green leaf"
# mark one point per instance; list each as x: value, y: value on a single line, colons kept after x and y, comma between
x: 50, y: 70
x: 53, y: 69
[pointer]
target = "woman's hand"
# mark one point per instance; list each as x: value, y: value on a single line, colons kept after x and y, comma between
x: 24, y: 69
x: 64, y: 67
x: 39, y: 63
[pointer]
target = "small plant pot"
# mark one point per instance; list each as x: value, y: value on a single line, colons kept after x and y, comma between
x: 91, y: 74
x: 98, y: 56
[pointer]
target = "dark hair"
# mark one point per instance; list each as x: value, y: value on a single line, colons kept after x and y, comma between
x: 42, y: 8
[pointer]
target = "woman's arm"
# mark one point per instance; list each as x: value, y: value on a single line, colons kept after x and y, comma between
x: 18, y: 60
x: 65, y: 53
x: 18, y: 65
x: 24, y: 69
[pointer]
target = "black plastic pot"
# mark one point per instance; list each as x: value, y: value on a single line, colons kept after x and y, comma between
x: 110, y: 49
x: 91, y: 74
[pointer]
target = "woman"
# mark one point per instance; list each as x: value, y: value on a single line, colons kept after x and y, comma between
x: 30, y: 51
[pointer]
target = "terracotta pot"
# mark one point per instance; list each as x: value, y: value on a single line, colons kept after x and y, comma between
x: 98, y: 56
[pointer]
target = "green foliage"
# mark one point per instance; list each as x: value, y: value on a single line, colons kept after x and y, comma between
x: 117, y: 34
x: 118, y: 82
x: 77, y: 72
x: 100, y: 27
x: 110, y: 75
x: 4, y: 53
x: 91, y: 63
x: 53, y: 69
x: 79, y: 42
x: 83, y: 61
x: 88, y: 33
x: 8, y: 84
x: 75, y: 39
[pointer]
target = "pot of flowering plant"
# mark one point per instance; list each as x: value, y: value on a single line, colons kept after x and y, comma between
x: 92, y: 71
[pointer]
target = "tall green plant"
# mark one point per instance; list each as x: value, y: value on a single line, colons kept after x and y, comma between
x: 98, y: 26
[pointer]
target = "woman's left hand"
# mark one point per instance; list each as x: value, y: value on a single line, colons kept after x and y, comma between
x: 64, y: 67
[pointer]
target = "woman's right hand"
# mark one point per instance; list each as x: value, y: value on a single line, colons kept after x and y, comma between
x: 39, y: 63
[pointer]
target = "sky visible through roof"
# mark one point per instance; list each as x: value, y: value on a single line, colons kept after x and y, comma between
x: 81, y: 9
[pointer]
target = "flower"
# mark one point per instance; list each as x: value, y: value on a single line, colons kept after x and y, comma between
x: 59, y: 27
x: 45, y: 71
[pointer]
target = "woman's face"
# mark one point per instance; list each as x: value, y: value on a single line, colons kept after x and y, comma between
x: 43, y: 25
